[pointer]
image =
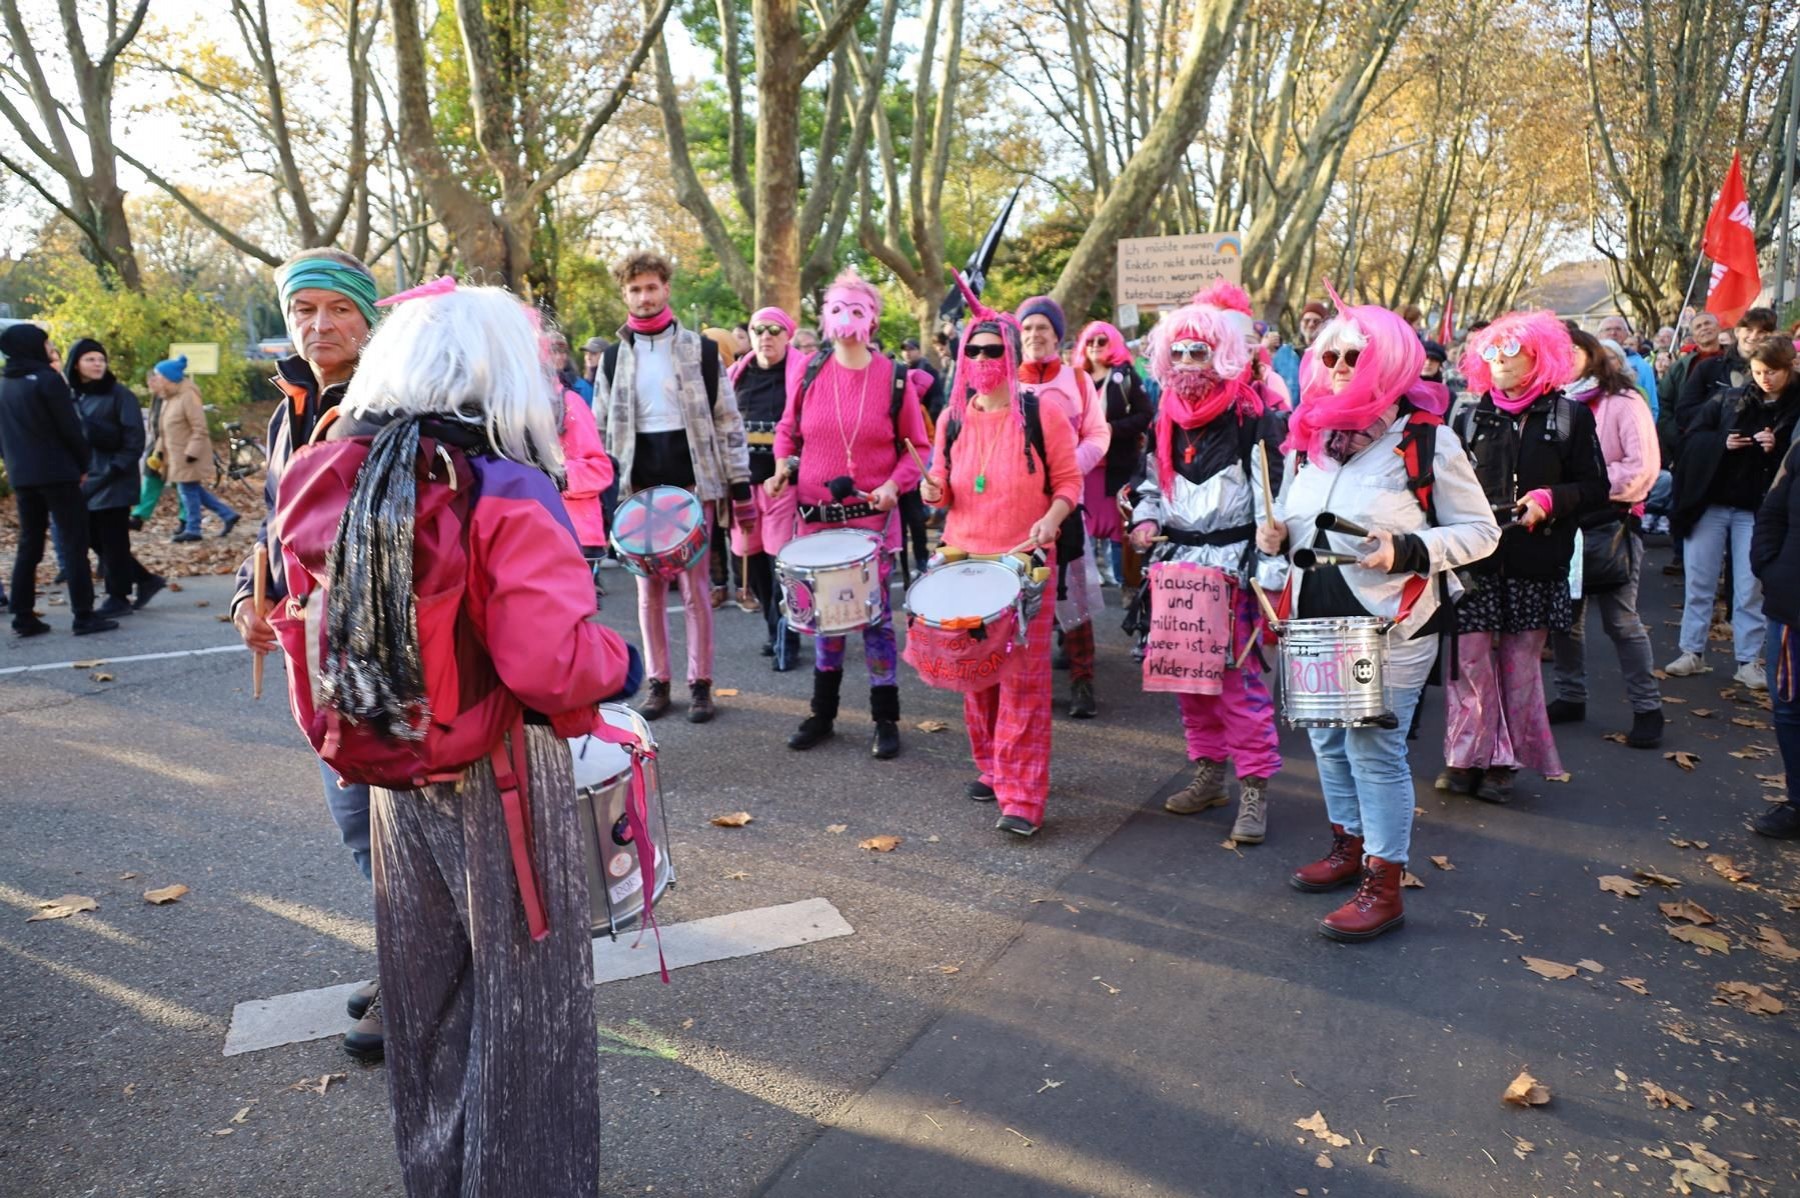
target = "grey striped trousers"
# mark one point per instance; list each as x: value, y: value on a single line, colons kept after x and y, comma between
x: 493, y: 1065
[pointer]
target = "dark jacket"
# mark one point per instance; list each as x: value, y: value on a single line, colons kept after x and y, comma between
x: 40, y: 431
x: 1704, y: 459
x: 1775, y: 545
x: 290, y: 427
x: 1553, y: 445
x: 1706, y: 376
x: 1129, y: 413
x: 114, y: 425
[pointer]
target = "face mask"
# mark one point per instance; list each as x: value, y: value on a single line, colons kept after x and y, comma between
x: 848, y: 317
x: 1190, y: 384
x: 985, y: 374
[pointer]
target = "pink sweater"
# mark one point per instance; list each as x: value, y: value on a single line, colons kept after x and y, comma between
x: 587, y: 469
x: 1073, y: 395
x: 997, y: 519
x: 1628, y: 443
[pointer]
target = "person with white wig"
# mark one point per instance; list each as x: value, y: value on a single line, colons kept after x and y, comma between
x: 442, y: 642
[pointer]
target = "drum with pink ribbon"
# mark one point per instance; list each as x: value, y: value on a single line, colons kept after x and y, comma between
x: 624, y: 830
x: 965, y: 624
x: 659, y: 532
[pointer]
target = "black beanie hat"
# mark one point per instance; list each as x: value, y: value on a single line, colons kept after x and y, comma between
x: 25, y: 343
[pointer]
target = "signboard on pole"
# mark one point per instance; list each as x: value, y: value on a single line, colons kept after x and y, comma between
x: 1166, y: 271
x: 202, y: 356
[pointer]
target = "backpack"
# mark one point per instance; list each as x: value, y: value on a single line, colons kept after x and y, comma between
x: 896, y: 395
x: 1034, y: 437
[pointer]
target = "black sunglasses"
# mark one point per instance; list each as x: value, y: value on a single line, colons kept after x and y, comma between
x: 1330, y: 358
x: 984, y: 351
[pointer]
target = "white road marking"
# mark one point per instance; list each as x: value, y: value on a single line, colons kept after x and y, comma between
x: 316, y: 1014
x: 111, y: 661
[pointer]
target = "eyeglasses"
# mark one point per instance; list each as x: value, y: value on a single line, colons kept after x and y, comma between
x: 1197, y: 352
x: 1508, y: 349
x: 984, y: 351
x: 770, y: 329
x: 1331, y: 357
x: 1099, y: 339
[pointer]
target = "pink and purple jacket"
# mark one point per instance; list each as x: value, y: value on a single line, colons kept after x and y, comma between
x: 1073, y: 393
x: 872, y: 458
x: 587, y: 470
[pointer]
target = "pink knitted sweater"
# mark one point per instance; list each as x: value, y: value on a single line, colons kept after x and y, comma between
x: 996, y: 519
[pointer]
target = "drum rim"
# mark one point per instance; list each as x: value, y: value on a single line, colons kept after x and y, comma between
x: 873, y: 550
x: 1011, y: 574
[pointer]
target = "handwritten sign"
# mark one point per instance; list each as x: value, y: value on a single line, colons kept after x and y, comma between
x: 964, y: 659
x: 1190, y: 629
x: 1166, y: 271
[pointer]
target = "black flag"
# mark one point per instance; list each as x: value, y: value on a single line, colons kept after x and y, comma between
x: 951, y: 311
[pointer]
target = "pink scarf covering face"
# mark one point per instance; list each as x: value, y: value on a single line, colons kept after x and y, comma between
x: 1193, y: 399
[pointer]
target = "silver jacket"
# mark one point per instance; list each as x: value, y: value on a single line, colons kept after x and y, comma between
x: 1229, y: 499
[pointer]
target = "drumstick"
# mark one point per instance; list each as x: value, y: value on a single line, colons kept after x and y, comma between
x: 259, y: 594
x: 1262, y: 597
x: 1262, y: 459
x: 917, y: 460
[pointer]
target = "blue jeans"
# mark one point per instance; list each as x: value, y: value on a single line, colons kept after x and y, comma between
x: 349, y: 807
x: 1662, y: 494
x: 1368, y: 782
x: 1784, y: 694
x: 1718, y: 529
x: 194, y: 497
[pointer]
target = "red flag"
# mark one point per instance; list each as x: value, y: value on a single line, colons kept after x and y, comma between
x: 1730, y: 242
x: 1445, y: 323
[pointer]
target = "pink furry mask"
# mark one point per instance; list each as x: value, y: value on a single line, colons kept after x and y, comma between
x: 847, y: 316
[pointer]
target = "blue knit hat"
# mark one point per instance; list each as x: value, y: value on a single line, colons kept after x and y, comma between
x: 1049, y: 309
x: 173, y: 369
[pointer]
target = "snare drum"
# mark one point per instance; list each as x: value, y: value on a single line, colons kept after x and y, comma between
x: 659, y: 532
x: 1332, y: 672
x: 831, y: 581
x: 602, y: 788
x: 965, y: 623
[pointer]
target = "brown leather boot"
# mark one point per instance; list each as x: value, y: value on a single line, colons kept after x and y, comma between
x: 1206, y: 790
x: 1335, y: 868
x: 1374, y: 908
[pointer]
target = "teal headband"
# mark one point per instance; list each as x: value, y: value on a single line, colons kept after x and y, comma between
x: 326, y: 274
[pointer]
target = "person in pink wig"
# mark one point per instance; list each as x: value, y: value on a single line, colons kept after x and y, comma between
x: 762, y: 380
x: 840, y: 444
x: 1004, y: 489
x: 1203, y: 491
x: 1233, y: 303
x: 1360, y: 449
x: 1537, y: 454
x: 1100, y: 350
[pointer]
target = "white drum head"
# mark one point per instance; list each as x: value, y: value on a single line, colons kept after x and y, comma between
x: 963, y: 589
x: 834, y: 547
x: 598, y: 762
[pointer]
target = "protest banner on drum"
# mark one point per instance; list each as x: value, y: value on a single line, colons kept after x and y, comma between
x: 1166, y: 271
x: 1190, y: 629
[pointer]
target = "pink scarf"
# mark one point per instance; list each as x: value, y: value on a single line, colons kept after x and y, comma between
x: 1192, y: 413
x: 1512, y: 406
x: 650, y: 326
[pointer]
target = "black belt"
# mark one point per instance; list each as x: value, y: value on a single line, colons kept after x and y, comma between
x: 1217, y: 536
x: 835, y: 513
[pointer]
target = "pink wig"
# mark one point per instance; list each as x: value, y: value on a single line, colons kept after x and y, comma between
x: 1198, y: 322
x: 1228, y: 296
x: 1537, y: 333
x: 1116, y: 353
x: 1390, y: 356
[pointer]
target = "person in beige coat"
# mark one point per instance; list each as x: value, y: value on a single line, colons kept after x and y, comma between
x: 186, y: 448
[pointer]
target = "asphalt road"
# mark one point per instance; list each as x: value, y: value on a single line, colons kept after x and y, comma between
x: 914, y: 1056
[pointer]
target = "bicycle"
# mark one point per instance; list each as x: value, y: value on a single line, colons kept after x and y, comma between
x: 242, y: 460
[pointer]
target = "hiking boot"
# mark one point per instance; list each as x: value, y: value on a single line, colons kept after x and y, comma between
x: 1206, y: 790
x: 1340, y: 865
x: 1565, y: 711
x: 1018, y: 825
x: 1496, y: 786
x: 980, y: 791
x: 816, y: 728
x: 357, y: 1005
x: 1081, y: 700
x: 700, y: 701
x: 1750, y: 674
x: 114, y: 606
x: 656, y: 704
x: 364, y: 1039
x: 1252, y: 822
x: 1780, y: 822
x: 1374, y: 908
x: 1646, y: 729
x: 147, y: 590
x: 88, y: 624
x: 1687, y: 665
x: 1457, y: 780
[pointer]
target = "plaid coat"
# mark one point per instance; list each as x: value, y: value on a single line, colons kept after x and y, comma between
x: 715, y: 431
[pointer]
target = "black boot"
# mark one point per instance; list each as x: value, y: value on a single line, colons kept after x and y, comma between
x: 1646, y: 729
x: 884, y: 709
x: 1565, y: 711
x: 817, y: 727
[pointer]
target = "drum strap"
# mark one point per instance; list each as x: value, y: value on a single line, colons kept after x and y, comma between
x: 510, y: 761
x: 835, y: 513
x: 637, y: 819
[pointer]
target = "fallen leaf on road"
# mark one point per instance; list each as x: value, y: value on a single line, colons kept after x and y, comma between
x: 1591, y: 965
x: 1071, y: 908
x: 126, y: 877
x: 949, y: 969
x: 1323, y: 1160
x: 1773, y: 943
x: 1512, y: 936
x: 1700, y: 937
x: 223, y: 1131
x: 243, y: 1114
x: 736, y: 819
x: 1110, y: 988
x: 1746, y: 722
x: 1705, y: 713
x: 1479, y: 917
x: 737, y: 876
x: 1554, y: 970
x: 881, y: 844
x: 318, y: 1085
x: 1660, y: 675
x: 1617, y: 738
x: 1048, y: 1085
x: 1442, y: 863
x: 1526, y: 1090
x: 1687, y: 909
x: 1523, y: 1148
x: 164, y: 894
x: 1750, y: 997
x: 203, y: 603
x: 1645, y: 875
x: 933, y: 726
x: 1752, y: 753
x: 1672, y: 699
x: 1726, y: 868
x: 1655, y: 1094
x: 88, y: 664
x: 1705, y: 1171
x: 100, y: 677
x: 1410, y: 881
x: 1623, y: 887
x: 726, y: 692
x: 62, y: 908
x: 1316, y: 1125
x: 1565, y: 776
x: 1773, y: 781
x: 1635, y: 985
x: 1229, y: 843
x: 837, y: 829
x: 1682, y: 758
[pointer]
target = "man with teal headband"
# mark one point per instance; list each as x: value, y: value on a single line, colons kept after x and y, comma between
x: 328, y: 297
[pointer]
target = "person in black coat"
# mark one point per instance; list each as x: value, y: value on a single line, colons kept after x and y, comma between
x: 1100, y: 350
x: 1775, y: 559
x: 114, y: 425
x: 46, y: 456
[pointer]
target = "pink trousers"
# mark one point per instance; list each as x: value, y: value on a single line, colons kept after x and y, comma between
x: 1496, y: 715
x: 653, y: 622
x: 1238, y: 724
x: 1009, y: 728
